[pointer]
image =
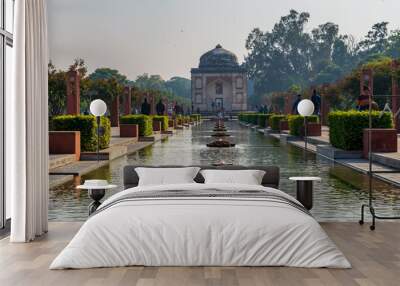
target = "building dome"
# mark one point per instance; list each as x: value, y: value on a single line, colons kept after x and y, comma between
x: 218, y: 58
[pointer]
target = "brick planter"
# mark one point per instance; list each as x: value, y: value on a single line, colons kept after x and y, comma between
x: 172, y: 123
x: 129, y: 130
x: 283, y: 125
x: 383, y: 141
x: 65, y: 142
x: 313, y: 129
x: 156, y: 126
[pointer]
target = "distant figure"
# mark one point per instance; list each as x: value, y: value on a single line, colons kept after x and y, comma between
x: 160, y: 108
x: 363, y: 99
x: 295, y: 104
x: 316, y: 99
x: 198, y: 110
x: 145, y: 107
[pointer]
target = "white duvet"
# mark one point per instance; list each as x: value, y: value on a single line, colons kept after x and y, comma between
x: 202, y: 232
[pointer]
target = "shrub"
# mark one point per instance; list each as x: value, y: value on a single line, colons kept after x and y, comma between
x: 346, y: 127
x: 87, y: 125
x: 274, y: 121
x: 196, y: 117
x: 262, y: 120
x: 164, y: 121
x: 296, y: 122
x: 145, y: 123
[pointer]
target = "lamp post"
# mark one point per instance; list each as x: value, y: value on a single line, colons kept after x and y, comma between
x: 305, y: 108
x: 98, y: 108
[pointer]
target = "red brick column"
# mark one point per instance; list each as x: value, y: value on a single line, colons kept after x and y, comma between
x: 152, y: 100
x: 127, y: 100
x: 288, y: 104
x: 325, y: 105
x: 115, y: 112
x: 73, y: 93
x: 165, y: 102
x: 396, y: 94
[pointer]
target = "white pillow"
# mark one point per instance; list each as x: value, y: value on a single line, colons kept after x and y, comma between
x: 166, y: 176
x: 247, y: 177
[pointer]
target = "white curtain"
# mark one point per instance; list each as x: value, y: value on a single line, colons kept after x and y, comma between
x: 27, y: 123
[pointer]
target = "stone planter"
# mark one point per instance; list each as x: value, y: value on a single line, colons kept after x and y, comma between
x: 65, y: 142
x: 313, y: 129
x: 129, y: 130
x: 156, y: 126
x: 382, y: 141
x: 283, y: 125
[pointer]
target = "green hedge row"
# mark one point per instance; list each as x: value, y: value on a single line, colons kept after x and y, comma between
x: 262, y: 120
x: 145, y: 123
x: 196, y: 117
x: 296, y: 122
x: 254, y: 118
x: 164, y: 121
x: 346, y: 127
x: 87, y: 125
x: 275, y: 119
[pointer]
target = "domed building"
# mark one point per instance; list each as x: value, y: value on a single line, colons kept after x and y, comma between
x: 219, y: 83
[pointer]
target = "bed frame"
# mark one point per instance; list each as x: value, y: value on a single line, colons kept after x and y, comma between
x: 270, y: 179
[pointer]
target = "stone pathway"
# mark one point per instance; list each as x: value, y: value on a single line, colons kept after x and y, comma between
x: 386, y: 162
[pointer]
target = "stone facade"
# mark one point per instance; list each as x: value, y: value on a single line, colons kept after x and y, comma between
x: 219, y: 83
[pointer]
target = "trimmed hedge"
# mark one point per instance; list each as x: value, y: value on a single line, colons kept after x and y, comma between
x: 274, y: 121
x: 249, y: 117
x: 296, y: 122
x: 262, y: 119
x: 87, y: 125
x: 346, y: 127
x: 164, y: 121
x: 196, y: 117
x: 145, y: 123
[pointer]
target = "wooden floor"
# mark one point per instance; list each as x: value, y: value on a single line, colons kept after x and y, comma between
x: 375, y: 257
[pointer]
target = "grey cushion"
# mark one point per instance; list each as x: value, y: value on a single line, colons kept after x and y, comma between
x: 270, y: 179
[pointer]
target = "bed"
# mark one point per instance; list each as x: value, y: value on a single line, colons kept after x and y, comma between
x: 198, y: 224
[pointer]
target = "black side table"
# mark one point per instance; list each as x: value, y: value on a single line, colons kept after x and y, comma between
x: 304, y: 190
x: 96, y: 191
x: 96, y: 195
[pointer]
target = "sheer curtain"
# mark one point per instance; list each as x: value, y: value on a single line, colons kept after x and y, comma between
x: 27, y: 124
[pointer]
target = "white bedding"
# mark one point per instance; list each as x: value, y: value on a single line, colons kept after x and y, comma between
x: 200, y: 231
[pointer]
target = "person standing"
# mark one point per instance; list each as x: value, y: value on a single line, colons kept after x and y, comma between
x: 316, y: 99
x: 295, y: 104
x: 145, y: 109
x: 160, y: 108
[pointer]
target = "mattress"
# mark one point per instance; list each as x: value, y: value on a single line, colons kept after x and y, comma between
x: 201, y: 225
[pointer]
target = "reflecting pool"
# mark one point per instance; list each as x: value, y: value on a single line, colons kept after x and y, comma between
x: 337, y: 197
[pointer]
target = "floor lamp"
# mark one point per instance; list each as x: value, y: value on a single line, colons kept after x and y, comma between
x: 305, y: 108
x: 98, y: 108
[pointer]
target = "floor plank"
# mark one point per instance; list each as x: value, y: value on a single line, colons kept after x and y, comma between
x: 375, y: 257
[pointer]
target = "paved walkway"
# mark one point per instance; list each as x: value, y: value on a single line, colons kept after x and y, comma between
x: 386, y: 162
x: 61, y: 173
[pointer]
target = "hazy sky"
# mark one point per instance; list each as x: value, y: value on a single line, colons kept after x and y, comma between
x: 167, y: 37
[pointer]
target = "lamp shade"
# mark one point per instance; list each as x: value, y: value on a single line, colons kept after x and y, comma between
x: 98, y: 107
x: 305, y: 107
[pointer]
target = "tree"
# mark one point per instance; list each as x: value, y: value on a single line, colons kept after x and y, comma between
x: 152, y: 82
x: 57, y: 90
x: 393, y: 49
x: 107, y: 73
x: 179, y: 86
x: 105, y: 89
x: 280, y: 58
x: 375, y: 41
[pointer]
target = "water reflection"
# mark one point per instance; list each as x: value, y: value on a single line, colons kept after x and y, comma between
x: 338, y: 197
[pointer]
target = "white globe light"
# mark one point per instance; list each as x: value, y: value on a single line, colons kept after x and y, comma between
x: 98, y: 107
x: 305, y: 107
